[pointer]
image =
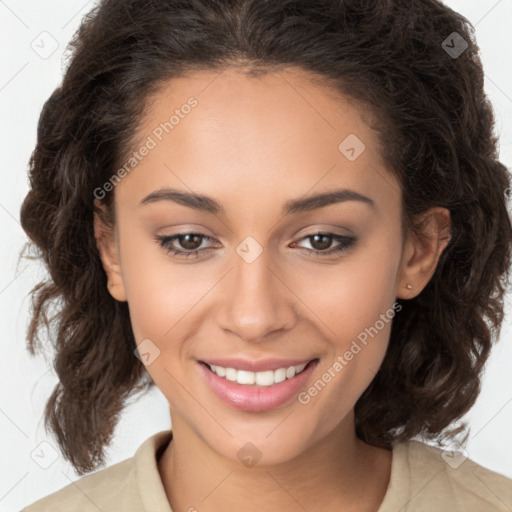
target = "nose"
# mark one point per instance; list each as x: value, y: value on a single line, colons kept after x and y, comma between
x: 257, y: 303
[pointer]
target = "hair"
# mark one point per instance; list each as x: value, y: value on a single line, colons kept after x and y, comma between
x: 436, y: 135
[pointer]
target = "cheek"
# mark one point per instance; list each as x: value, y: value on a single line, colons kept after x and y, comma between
x: 359, y: 329
x: 154, y: 292
x: 165, y: 298
x: 350, y: 296
x: 161, y: 297
x: 354, y: 303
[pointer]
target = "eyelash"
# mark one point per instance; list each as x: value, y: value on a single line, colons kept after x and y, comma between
x: 166, y: 241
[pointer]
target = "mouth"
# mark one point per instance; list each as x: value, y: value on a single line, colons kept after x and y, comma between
x: 263, y: 378
x: 257, y: 391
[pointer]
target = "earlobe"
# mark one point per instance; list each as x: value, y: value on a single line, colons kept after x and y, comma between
x: 422, y: 252
x: 105, y: 242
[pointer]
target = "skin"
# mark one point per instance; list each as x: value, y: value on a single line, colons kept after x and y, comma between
x: 252, y: 144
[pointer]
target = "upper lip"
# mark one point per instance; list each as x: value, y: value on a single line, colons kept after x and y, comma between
x: 256, y: 366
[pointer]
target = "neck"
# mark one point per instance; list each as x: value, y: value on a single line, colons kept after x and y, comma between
x: 338, y: 473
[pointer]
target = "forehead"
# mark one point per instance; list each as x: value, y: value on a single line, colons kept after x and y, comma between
x: 228, y: 131
x: 290, y: 101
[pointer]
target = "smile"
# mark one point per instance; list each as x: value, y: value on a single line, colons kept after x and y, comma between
x: 266, y: 378
x: 256, y: 391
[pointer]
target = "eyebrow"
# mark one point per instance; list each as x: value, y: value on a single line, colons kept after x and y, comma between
x: 305, y: 204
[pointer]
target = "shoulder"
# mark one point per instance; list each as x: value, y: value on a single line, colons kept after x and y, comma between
x: 117, y: 487
x: 98, y: 490
x: 425, y: 477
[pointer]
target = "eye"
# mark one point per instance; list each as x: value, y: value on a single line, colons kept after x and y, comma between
x: 189, y: 244
x: 187, y: 241
x: 322, y: 243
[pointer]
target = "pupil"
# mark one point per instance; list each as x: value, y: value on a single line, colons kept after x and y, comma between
x: 188, y: 244
x: 324, y: 245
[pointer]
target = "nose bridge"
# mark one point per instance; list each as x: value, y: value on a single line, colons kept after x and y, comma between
x: 255, y: 302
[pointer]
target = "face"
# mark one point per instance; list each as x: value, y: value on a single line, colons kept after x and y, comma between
x: 264, y: 278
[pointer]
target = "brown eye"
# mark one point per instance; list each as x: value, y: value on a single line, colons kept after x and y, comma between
x: 321, y: 243
x: 189, y: 241
x: 183, y: 244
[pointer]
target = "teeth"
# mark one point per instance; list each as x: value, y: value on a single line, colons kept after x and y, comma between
x: 243, y: 377
x: 280, y: 375
x: 266, y: 378
x: 231, y: 374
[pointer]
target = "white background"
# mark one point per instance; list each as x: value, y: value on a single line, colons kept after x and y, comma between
x: 26, y: 82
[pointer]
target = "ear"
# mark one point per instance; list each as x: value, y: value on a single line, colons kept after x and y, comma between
x: 422, y: 251
x: 109, y: 253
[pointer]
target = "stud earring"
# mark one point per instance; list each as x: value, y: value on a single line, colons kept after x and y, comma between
x: 408, y: 286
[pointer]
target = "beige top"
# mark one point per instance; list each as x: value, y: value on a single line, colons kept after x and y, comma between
x: 421, y: 481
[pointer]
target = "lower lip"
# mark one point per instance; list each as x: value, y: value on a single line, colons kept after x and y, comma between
x: 256, y: 398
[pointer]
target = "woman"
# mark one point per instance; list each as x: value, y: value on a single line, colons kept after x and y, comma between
x: 291, y: 217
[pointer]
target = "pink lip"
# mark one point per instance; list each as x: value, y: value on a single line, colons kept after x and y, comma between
x: 256, y: 366
x: 256, y: 398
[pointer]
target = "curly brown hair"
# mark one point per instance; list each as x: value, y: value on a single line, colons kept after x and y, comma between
x: 436, y: 131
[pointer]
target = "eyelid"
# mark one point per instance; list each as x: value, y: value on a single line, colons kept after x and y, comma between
x: 348, y: 242
x: 165, y: 241
x: 331, y: 229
